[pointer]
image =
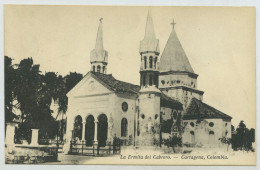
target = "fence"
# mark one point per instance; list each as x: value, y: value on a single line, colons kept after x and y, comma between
x: 94, y: 150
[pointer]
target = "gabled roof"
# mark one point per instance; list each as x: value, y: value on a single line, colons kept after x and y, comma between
x: 199, y: 110
x: 173, y: 57
x: 116, y: 85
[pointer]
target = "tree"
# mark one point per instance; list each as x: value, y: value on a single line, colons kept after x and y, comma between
x: 243, y: 138
x: 9, y: 72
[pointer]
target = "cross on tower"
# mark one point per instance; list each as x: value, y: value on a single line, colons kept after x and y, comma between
x: 173, y: 23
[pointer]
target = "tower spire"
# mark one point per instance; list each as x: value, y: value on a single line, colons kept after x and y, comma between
x: 149, y: 43
x: 99, y: 40
x: 98, y: 56
x: 149, y: 29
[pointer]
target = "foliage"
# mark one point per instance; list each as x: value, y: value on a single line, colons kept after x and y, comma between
x: 173, y: 141
x: 34, y: 92
x: 242, y: 138
x: 9, y: 86
x: 116, y: 141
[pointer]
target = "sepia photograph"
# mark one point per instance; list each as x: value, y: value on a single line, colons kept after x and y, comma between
x: 129, y: 85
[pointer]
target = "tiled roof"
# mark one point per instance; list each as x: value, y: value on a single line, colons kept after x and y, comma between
x: 167, y: 101
x: 116, y: 85
x: 124, y: 87
x: 199, y: 110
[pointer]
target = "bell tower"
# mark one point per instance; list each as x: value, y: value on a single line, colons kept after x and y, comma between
x: 98, y: 56
x: 149, y: 51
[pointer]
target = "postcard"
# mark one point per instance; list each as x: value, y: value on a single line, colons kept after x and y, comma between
x: 130, y: 85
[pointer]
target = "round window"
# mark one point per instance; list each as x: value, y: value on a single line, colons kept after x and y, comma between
x: 124, y: 106
x: 142, y: 116
x: 211, y: 124
x: 192, y: 124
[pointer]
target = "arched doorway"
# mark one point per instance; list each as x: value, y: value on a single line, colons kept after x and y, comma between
x: 124, y: 127
x: 77, y: 132
x: 102, y: 130
x: 89, y: 130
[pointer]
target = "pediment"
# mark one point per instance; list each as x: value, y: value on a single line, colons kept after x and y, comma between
x: 89, y: 86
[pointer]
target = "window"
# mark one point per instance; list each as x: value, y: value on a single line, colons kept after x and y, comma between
x: 98, y: 68
x: 151, y: 62
x: 151, y: 80
x: 124, y: 127
x: 192, y: 124
x: 144, y: 77
x: 142, y: 116
x: 211, y: 124
x: 156, y: 116
x: 155, y: 61
x: 104, y: 68
x: 124, y: 106
x: 145, y: 62
x: 163, y: 82
x: 211, y: 133
x: 94, y: 68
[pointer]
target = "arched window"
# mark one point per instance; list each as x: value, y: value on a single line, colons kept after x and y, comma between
x: 144, y: 77
x: 192, y: 137
x: 155, y: 61
x: 94, y: 68
x: 98, y: 68
x: 104, y: 68
x: 124, y: 127
x: 211, y: 137
x: 151, y: 62
x: 151, y: 80
x: 145, y: 62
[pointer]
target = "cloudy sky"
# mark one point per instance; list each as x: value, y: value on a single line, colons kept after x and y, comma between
x: 219, y: 42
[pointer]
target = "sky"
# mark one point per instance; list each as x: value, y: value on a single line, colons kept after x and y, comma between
x: 219, y: 43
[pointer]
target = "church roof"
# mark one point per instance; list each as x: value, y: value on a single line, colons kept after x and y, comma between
x: 116, y: 85
x: 199, y: 110
x: 149, y: 43
x: 173, y: 57
x: 124, y: 87
x: 167, y: 101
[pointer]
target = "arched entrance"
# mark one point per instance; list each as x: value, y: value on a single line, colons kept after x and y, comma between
x: 124, y: 127
x: 89, y: 130
x: 77, y: 132
x: 102, y: 130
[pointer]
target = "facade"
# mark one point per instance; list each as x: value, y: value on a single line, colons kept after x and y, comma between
x: 101, y: 107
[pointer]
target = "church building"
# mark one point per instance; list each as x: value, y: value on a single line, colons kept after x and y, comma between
x: 101, y: 107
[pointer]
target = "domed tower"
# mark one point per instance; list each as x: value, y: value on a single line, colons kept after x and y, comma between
x: 149, y: 51
x: 98, y: 56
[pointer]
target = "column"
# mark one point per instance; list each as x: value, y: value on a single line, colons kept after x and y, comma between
x: 34, y: 139
x: 10, y: 132
x: 83, y: 131
x: 96, y: 131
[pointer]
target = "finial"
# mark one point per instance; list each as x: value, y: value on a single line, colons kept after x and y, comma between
x: 173, y: 23
x: 100, y: 19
